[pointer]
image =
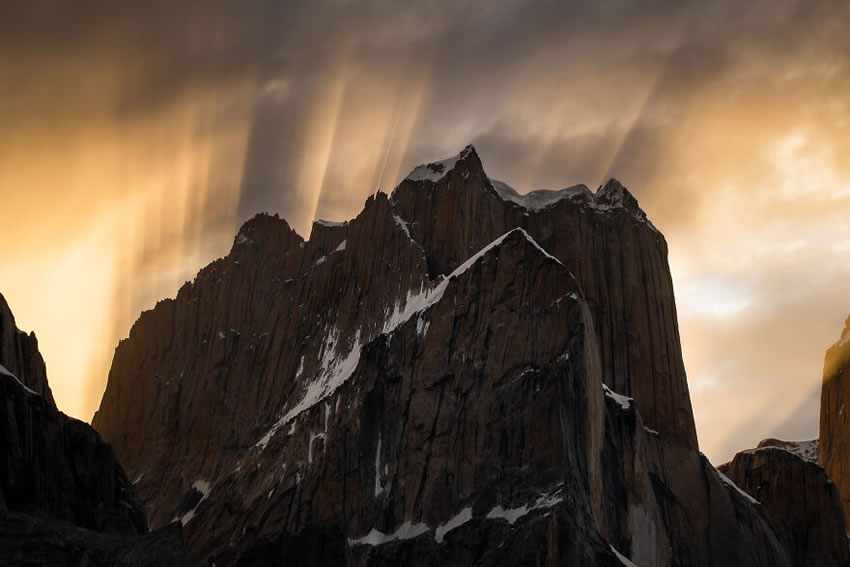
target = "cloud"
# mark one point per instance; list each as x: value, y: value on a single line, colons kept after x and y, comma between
x: 727, y: 120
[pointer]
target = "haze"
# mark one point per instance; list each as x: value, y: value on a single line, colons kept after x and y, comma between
x: 136, y: 137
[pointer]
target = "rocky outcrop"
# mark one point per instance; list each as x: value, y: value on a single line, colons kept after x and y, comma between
x: 20, y: 356
x: 835, y: 416
x: 34, y: 541
x: 459, y: 375
x: 56, y: 466
x: 64, y: 499
x: 666, y: 505
x: 604, y: 239
x: 799, y: 497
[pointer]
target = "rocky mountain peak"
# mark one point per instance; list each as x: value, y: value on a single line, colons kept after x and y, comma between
x: 459, y: 374
x: 269, y: 231
x: 465, y: 163
x: 20, y: 355
x: 614, y: 195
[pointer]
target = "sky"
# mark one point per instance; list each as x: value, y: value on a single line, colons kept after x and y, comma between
x: 136, y: 137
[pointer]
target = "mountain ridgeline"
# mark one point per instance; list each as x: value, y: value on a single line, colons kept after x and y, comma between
x: 460, y: 375
x: 64, y: 498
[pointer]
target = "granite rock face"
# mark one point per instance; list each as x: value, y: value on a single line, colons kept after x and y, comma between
x: 799, y: 497
x: 64, y: 499
x: 459, y: 375
x: 605, y: 239
x: 835, y: 416
x: 665, y: 504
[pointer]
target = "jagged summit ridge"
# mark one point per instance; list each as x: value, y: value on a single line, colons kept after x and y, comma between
x: 437, y: 170
x: 612, y: 195
x: 20, y: 354
x: 345, y: 366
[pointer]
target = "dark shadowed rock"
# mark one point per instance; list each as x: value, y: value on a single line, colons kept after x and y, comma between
x: 666, y: 505
x: 30, y: 541
x: 20, y: 356
x: 64, y: 499
x: 799, y: 497
x: 314, y: 545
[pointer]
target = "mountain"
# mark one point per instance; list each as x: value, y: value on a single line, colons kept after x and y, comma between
x: 64, y: 499
x: 834, y: 423
x: 799, y: 496
x: 460, y: 374
x: 20, y: 356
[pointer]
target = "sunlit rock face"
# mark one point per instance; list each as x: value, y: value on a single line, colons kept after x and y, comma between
x: 64, y: 499
x: 835, y: 416
x: 458, y: 375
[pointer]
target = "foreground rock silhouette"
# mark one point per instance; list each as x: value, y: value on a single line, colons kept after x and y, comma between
x: 64, y: 499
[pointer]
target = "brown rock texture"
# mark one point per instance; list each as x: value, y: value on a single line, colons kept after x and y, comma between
x: 799, y: 497
x: 426, y: 384
x: 835, y: 416
x: 666, y: 505
x: 64, y: 499
x: 605, y: 240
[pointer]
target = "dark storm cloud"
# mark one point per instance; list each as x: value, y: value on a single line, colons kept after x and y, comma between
x: 684, y: 102
x: 478, y: 55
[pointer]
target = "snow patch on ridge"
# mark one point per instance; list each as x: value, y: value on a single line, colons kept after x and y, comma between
x: 336, y: 368
x: 330, y: 224
x: 609, y: 197
x: 623, y: 559
x: 541, y: 198
x: 405, y: 226
x: 806, y: 450
x: 410, y: 530
x: 624, y: 401
x: 313, y: 437
x: 417, y: 302
x: 202, y: 486
x: 5, y: 372
x: 511, y: 515
x: 728, y: 482
x: 436, y: 170
x: 460, y: 519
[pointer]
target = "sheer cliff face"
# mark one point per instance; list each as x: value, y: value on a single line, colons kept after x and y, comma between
x: 799, y: 497
x: 835, y: 416
x: 64, y: 499
x: 618, y: 257
x: 459, y: 374
x: 20, y: 356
